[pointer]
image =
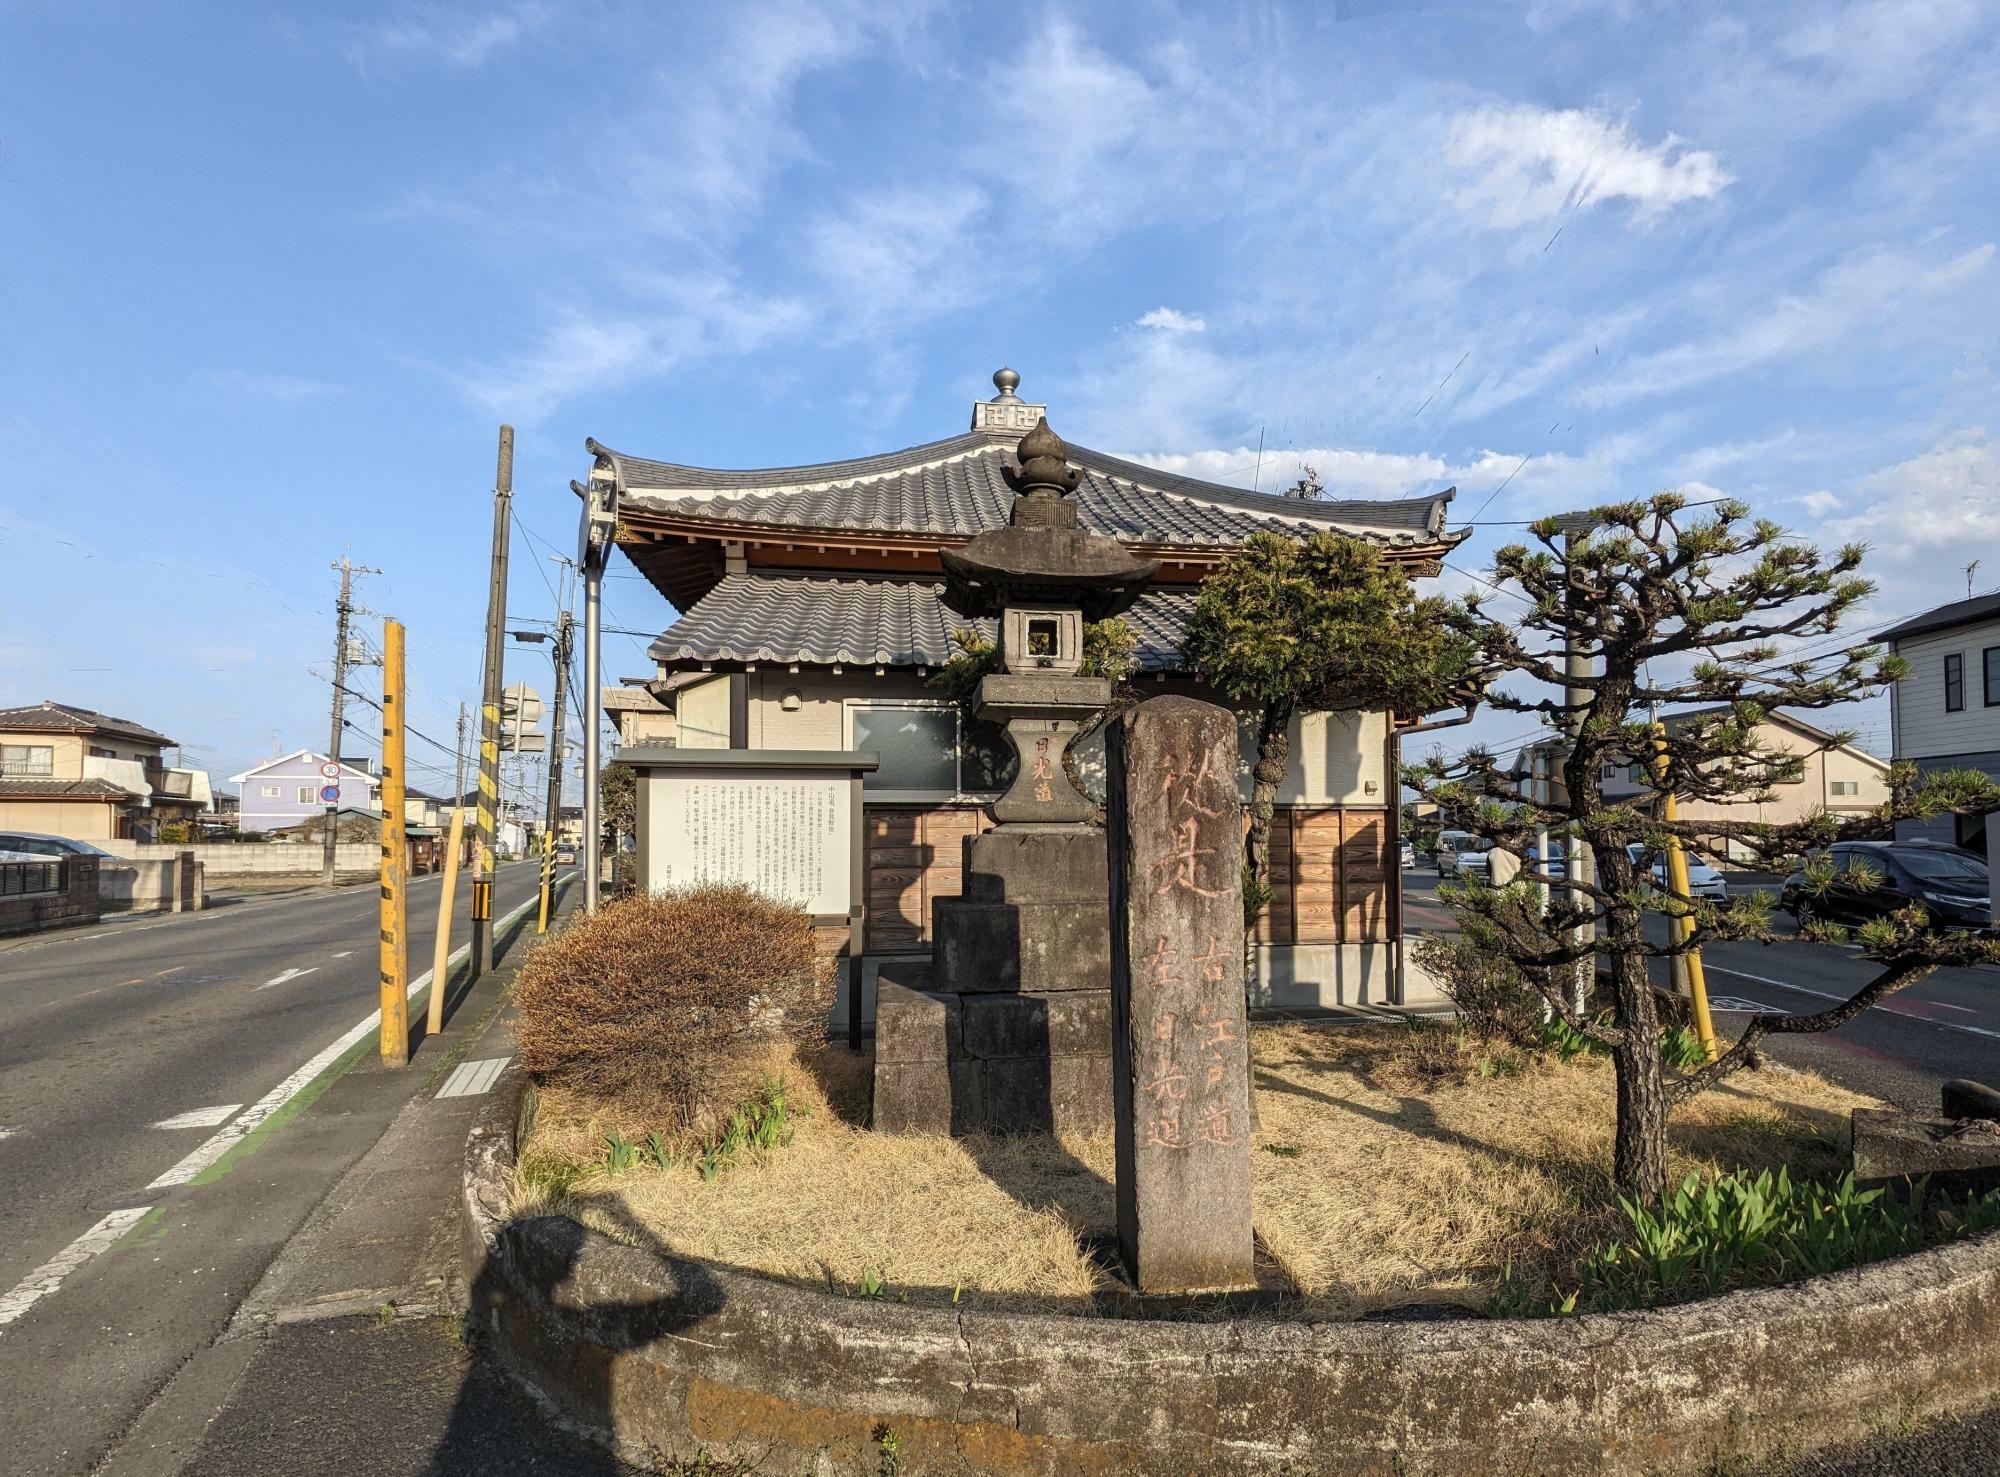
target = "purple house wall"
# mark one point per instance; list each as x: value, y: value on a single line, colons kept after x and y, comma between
x: 283, y: 792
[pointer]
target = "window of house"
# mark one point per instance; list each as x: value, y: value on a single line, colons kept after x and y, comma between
x: 97, y: 752
x: 1610, y: 772
x: 1991, y: 660
x: 27, y: 760
x: 1844, y: 787
x: 926, y: 751
x: 1954, y: 682
x: 272, y: 792
x: 307, y: 794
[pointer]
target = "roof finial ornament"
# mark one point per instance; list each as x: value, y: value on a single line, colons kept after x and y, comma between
x: 1044, y: 472
x: 1006, y: 382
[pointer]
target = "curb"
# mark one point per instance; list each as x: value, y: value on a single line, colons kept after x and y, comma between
x: 665, y: 1358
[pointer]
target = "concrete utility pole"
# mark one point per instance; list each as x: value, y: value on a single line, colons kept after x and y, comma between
x: 343, y: 614
x: 458, y: 769
x: 552, y: 811
x: 395, y: 922
x: 595, y: 535
x: 489, y: 710
x: 1580, y: 865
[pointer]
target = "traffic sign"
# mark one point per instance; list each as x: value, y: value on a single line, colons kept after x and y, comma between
x: 330, y: 770
x: 329, y: 793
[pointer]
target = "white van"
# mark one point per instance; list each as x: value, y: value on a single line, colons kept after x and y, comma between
x: 1452, y: 845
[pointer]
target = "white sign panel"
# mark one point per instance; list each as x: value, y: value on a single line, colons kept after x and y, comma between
x: 787, y: 834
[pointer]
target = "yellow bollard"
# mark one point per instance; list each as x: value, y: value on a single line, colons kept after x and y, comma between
x: 548, y: 879
x: 395, y: 950
x: 1677, y: 880
x: 441, y: 955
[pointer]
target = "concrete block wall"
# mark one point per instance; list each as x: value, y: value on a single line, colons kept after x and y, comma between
x: 255, y: 858
x: 169, y: 886
x: 75, y: 901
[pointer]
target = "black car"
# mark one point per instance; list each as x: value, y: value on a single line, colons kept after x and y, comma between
x: 1874, y: 878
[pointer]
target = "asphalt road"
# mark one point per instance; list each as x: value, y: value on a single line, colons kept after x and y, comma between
x: 125, y: 1049
x: 1902, y: 1050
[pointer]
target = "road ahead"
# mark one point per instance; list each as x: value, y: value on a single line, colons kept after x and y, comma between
x: 1944, y: 1027
x: 144, y: 1066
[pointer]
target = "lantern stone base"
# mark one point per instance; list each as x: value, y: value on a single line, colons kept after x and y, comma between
x: 993, y: 1063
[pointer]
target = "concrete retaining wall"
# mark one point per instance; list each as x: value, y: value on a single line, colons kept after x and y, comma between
x: 170, y: 886
x: 255, y: 858
x: 663, y: 1357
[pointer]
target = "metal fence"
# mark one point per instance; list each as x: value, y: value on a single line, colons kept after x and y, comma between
x: 18, y: 879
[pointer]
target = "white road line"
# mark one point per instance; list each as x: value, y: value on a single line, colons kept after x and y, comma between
x: 290, y: 974
x: 227, y: 1137
x: 6, y: 1132
x: 201, y: 1117
x: 1905, y: 1015
x: 472, y: 1079
x: 46, y: 1278
x: 343, y: 953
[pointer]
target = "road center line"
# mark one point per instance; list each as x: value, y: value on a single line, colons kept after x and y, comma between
x: 46, y: 1278
x: 230, y: 1134
x: 1762, y: 979
x: 290, y: 974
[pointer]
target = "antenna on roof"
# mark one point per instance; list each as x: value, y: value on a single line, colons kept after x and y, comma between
x: 1968, y: 577
x: 1258, y: 479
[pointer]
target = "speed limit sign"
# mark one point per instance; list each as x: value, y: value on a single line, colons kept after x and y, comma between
x: 330, y: 770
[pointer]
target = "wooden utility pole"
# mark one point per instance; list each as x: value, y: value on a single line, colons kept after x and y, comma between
x: 489, y: 709
x: 395, y: 852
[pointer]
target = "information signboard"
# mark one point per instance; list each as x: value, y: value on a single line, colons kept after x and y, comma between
x: 789, y: 834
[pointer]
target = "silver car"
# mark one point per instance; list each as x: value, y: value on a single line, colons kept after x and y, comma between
x: 1704, y: 882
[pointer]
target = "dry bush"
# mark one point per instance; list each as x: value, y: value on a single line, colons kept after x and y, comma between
x: 1494, y: 996
x: 665, y: 1001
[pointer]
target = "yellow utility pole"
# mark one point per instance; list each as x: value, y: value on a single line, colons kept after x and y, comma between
x: 441, y: 955
x: 395, y: 853
x: 1677, y: 880
x: 548, y: 876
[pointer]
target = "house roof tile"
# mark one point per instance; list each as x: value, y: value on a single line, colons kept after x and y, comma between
x: 1944, y: 617
x: 955, y: 488
x: 89, y: 789
x: 824, y: 622
x: 54, y: 717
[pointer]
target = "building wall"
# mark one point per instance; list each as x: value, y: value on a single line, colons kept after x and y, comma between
x: 261, y: 812
x: 1922, y: 727
x: 79, y: 820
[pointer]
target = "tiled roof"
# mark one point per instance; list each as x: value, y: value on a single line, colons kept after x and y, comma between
x: 747, y: 618
x: 954, y: 488
x: 19, y: 789
x: 54, y: 717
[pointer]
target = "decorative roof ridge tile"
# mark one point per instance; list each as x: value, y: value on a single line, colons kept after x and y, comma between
x: 642, y: 476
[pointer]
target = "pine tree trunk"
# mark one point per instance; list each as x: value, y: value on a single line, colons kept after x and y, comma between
x: 1274, y: 752
x: 1639, y: 1161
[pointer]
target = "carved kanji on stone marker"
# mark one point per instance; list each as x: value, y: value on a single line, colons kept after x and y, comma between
x: 1180, y: 1046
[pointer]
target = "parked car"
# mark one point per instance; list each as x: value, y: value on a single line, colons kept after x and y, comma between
x: 1472, y: 863
x: 1450, y: 846
x: 1407, y: 852
x: 1874, y: 878
x: 1558, y: 864
x: 38, y: 845
x: 1704, y: 882
x: 565, y: 856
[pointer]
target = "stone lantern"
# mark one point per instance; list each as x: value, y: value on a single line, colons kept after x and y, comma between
x: 1008, y: 1027
x: 1043, y: 577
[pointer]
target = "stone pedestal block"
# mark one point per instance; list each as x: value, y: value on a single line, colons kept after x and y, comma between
x: 1034, y: 864
x: 1961, y: 1155
x: 982, y: 948
x: 1073, y: 1023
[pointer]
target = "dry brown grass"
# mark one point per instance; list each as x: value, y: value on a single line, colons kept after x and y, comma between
x: 1387, y: 1188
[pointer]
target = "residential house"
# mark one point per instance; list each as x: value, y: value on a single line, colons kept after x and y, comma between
x: 1837, y: 777
x: 1945, y: 713
x: 811, y: 617
x: 641, y: 709
x: 285, y: 791
x: 72, y: 771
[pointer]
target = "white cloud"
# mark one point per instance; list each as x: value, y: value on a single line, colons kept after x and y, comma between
x: 1947, y: 498
x: 1172, y: 320
x: 1820, y: 503
x: 1533, y: 162
x: 1865, y: 289
x: 460, y: 38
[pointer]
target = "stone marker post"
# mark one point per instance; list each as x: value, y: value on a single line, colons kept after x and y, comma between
x: 1180, y: 1047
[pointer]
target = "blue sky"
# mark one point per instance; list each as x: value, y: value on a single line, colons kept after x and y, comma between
x: 273, y: 276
